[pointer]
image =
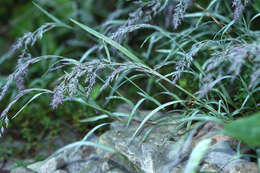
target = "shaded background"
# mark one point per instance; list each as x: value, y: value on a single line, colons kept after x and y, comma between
x: 38, y: 122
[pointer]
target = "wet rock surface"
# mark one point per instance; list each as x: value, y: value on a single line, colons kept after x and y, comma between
x: 156, y: 149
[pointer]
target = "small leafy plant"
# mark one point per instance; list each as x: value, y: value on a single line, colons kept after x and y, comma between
x: 246, y: 129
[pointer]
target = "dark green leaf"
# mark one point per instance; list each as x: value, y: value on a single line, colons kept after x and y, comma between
x: 246, y: 129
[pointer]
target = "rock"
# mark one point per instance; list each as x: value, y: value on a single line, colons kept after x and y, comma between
x: 82, y: 158
x: 11, y: 164
x: 160, y: 144
x: 177, y: 170
x: 139, y: 114
x: 249, y: 167
x: 49, y: 165
x: 116, y: 171
x: 52, y: 164
x: 21, y: 170
x: 206, y: 167
x: 36, y: 166
x: 223, y: 156
x: 90, y: 165
x: 155, y: 149
x: 116, y: 163
x: 50, y: 143
x: 60, y: 171
x: 155, y: 154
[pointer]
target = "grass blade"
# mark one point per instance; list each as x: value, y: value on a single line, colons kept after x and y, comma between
x: 109, y: 41
x: 197, y: 155
x: 56, y: 20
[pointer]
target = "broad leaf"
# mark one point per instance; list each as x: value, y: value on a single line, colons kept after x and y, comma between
x: 246, y: 129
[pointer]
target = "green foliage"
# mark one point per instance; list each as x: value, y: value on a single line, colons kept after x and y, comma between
x: 197, y: 155
x: 38, y: 114
x: 192, y: 60
x: 246, y: 129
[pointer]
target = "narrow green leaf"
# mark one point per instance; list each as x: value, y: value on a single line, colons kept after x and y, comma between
x: 95, y: 118
x: 134, y: 110
x: 197, y: 155
x: 85, y: 143
x: 152, y: 113
x: 24, y: 106
x: 95, y: 92
x: 93, y: 130
x: 126, y: 100
x: 109, y: 41
x: 56, y: 20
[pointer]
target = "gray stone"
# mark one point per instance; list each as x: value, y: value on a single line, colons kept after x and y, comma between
x: 49, y: 165
x: 249, y: 167
x: 163, y: 150
x: 36, y: 166
x: 116, y: 171
x: 206, y: 167
x: 82, y: 158
x: 177, y: 170
x: 21, y: 170
x: 170, y: 152
x: 139, y: 114
x: 60, y: 171
x: 145, y: 155
x: 90, y: 165
x: 52, y: 165
x: 56, y: 142
x: 223, y: 156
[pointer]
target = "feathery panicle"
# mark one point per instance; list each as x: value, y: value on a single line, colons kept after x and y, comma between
x: 18, y: 75
x: 173, y: 10
x: 30, y: 38
x: 179, y: 12
x: 230, y: 62
x: 255, y: 77
x: 25, y: 58
x: 58, y: 96
x: 123, y: 30
x: 92, y: 78
x: 113, y: 75
x: 208, y: 84
x: 168, y: 13
x: 90, y: 70
x: 22, y: 71
x: 237, y: 55
x: 71, y: 81
x: 6, y: 86
x: 185, y: 61
x: 239, y: 7
x: 145, y: 13
x: 142, y: 15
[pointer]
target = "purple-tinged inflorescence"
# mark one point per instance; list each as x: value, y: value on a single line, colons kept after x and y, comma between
x: 179, y: 12
x: 239, y: 7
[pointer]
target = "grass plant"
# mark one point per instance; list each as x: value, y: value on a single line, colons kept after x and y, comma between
x: 199, y: 60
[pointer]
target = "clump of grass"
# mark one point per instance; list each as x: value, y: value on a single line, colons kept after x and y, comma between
x: 166, y: 61
x: 230, y: 62
x: 216, y: 68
